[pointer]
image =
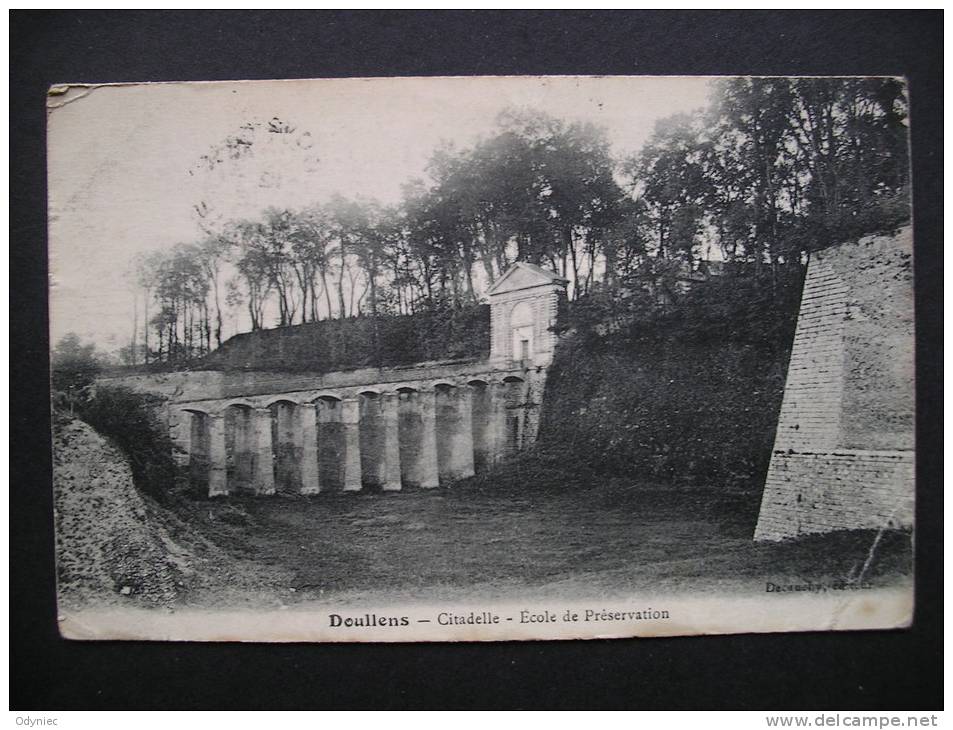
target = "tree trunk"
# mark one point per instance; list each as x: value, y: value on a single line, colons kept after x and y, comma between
x: 208, y: 327
x: 145, y: 326
x: 213, y: 275
x: 314, y: 299
x: 342, y: 313
x: 303, y: 287
x: 251, y: 309
x: 469, y: 281
x: 135, y: 329
x: 575, y: 263
x: 486, y: 258
x: 327, y: 292
x: 609, y: 254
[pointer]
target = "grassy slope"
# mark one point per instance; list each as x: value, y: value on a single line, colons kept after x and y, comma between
x: 346, y: 344
x: 677, y: 396
x: 680, y: 412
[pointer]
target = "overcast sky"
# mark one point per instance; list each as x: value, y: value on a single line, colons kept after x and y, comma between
x: 125, y: 161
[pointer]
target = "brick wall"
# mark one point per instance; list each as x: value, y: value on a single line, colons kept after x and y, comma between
x: 836, y: 490
x: 843, y: 453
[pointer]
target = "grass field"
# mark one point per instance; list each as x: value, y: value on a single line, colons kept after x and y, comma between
x: 460, y: 544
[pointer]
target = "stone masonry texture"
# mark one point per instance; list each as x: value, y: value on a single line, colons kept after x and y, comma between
x: 843, y: 455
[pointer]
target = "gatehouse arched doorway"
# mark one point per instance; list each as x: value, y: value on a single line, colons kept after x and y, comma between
x: 522, y: 326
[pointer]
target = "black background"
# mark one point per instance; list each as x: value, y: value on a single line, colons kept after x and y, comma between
x: 882, y: 669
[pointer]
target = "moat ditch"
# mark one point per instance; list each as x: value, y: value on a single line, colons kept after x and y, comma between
x: 463, y: 544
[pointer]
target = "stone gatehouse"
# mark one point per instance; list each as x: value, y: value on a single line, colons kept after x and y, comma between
x: 423, y: 425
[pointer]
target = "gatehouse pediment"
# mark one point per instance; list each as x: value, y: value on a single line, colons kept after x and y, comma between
x: 522, y: 275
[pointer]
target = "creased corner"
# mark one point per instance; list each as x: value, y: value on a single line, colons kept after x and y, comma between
x: 59, y: 95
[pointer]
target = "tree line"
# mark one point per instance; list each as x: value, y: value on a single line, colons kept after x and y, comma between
x: 771, y: 169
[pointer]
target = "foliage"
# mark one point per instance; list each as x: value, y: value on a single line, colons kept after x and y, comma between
x: 122, y: 415
x: 650, y: 387
x: 776, y: 167
x: 128, y: 419
x: 772, y: 169
x: 74, y: 367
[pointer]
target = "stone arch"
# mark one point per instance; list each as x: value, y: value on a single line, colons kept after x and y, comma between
x: 410, y: 435
x: 280, y: 399
x: 514, y: 400
x: 241, y: 402
x: 371, y: 437
x: 198, y: 410
x: 331, y: 441
x: 445, y: 416
x: 240, y: 452
x: 454, y: 434
x: 481, y: 414
x: 286, y: 444
x: 199, y: 448
x: 522, y: 331
x: 325, y: 395
x: 522, y: 313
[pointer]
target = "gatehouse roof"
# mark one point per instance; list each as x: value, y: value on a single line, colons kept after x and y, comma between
x: 523, y: 275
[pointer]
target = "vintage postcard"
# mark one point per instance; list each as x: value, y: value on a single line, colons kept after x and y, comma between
x: 481, y: 358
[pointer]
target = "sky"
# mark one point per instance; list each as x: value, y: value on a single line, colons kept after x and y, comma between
x: 126, y: 170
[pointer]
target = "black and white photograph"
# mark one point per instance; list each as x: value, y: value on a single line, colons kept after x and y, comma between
x: 481, y: 358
